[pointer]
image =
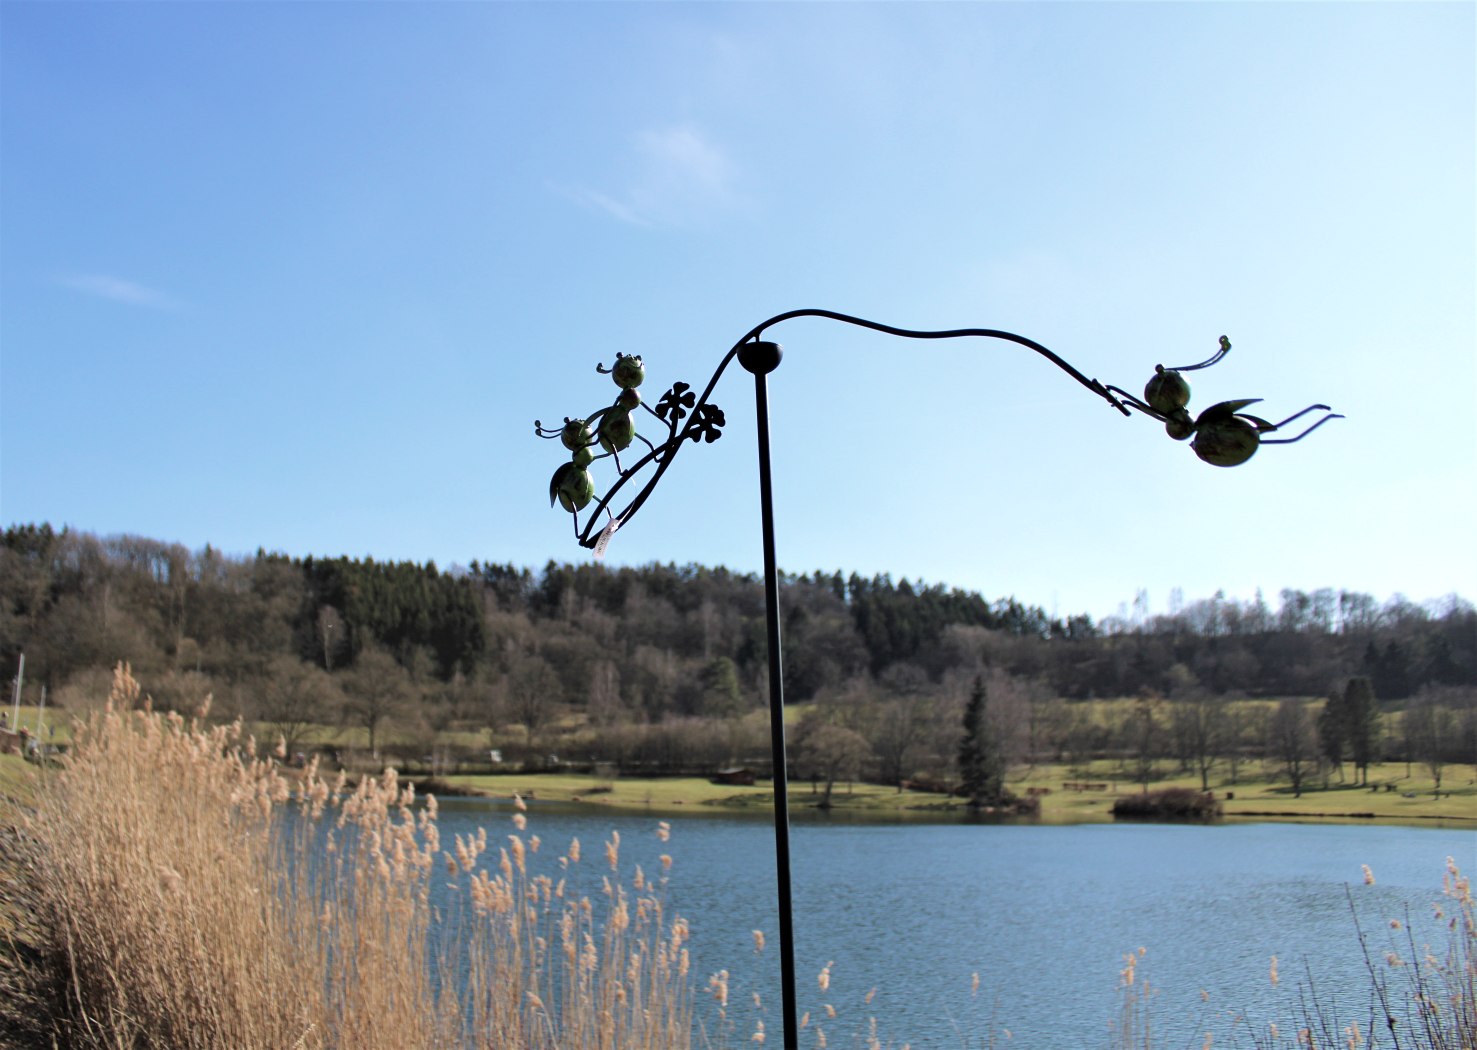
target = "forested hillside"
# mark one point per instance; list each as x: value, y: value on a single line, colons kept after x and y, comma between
x: 488, y: 647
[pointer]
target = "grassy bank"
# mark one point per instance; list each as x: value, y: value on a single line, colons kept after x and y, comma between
x: 1068, y: 795
x: 1406, y: 794
x: 681, y: 794
x: 18, y: 780
x: 1412, y: 800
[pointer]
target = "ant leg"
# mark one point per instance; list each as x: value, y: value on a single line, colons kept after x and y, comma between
x: 1305, y: 433
x: 1299, y: 415
x: 1134, y: 402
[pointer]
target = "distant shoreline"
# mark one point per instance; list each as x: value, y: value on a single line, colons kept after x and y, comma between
x: 878, y: 804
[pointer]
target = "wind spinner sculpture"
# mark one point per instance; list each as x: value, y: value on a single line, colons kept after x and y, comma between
x: 1224, y: 435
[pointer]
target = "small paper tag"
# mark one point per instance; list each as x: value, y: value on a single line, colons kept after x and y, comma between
x: 604, y: 540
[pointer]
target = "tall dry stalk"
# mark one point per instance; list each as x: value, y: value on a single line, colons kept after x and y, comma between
x: 189, y: 910
x: 1421, y: 996
x: 1133, y: 1027
x: 1427, y: 994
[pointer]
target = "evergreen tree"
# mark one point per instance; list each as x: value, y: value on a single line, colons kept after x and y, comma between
x: 981, y: 768
x: 1361, y: 724
x: 1391, y: 672
x: 721, y: 695
x: 1333, y: 730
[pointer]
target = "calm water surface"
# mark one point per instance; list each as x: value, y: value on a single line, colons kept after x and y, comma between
x: 1043, y: 914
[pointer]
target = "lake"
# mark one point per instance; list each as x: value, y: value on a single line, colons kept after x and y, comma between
x: 1044, y: 914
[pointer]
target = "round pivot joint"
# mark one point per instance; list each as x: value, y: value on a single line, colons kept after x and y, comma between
x: 760, y: 358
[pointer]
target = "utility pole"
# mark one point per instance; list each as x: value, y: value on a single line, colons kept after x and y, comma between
x: 20, y: 677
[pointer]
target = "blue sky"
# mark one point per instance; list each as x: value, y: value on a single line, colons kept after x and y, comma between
x: 301, y: 276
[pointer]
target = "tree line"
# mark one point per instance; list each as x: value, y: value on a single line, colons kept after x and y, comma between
x: 663, y: 665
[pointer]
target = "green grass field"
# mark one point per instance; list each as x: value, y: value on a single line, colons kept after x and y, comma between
x: 675, y: 794
x: 17, y: 780
x: 1411, y: 802
x: 1255, y: 798
x: 55, y: 724
x: 1259, y: 795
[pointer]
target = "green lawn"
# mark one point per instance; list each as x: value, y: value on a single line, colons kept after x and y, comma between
x: 1411, y: 802
x: 675, y: 794
x: 1257, y: 796
x: 56, y: 723
x: 17, y: 782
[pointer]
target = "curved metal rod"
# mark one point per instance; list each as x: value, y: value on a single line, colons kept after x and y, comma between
x: 953, y: 333
x: 663, y: 454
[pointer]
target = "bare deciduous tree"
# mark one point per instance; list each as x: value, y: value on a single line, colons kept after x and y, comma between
x: 897, y: 731
x: 1201, y: 728
x: 375, y: 691
x: 533, y: 692
x: 1291, y: 741
x: 1430, y: 729
x: 1142, y: 739
x: 605, y: 706
x: 829, y: 753
x: 292, y: 699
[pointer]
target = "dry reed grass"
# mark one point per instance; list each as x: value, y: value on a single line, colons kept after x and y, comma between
x: 188, y: 910
x: 1421, y: 996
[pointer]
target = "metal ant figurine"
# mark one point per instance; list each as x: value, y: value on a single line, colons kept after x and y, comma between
x: 1224, y: 435
x: 613, y: 429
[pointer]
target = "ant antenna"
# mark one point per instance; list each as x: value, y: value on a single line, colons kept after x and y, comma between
x: 1222, y: 352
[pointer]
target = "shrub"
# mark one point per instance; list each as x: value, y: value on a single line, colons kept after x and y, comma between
x: 1168, y: 804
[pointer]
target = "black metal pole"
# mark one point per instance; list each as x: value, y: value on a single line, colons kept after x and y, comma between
x: 761, y: 358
